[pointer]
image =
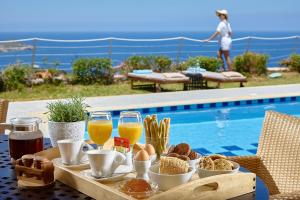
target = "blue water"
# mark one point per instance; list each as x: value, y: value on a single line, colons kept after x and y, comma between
x: 231, y: 130
x: 48, y: 53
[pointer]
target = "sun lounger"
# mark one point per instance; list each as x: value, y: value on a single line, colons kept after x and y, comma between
x: 158, y: 78
x: 223, y: 77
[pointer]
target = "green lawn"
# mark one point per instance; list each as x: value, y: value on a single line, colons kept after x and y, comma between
x: 64, y: 91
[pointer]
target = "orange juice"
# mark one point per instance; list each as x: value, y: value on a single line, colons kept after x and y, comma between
x: 100, y: 130
x: 131, y: 131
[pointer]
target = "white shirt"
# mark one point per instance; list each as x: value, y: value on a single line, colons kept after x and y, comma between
x: 224, y: 29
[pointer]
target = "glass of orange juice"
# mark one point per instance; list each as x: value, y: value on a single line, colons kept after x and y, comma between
x: 100, y: 127
x: 130, y: 126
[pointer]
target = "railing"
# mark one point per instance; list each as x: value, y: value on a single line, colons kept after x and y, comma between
x: 61, y: 53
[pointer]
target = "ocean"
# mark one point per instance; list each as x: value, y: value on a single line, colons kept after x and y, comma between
x: 62, y: 54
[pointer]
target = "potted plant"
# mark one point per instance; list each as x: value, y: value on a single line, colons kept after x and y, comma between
x: 66, y: 119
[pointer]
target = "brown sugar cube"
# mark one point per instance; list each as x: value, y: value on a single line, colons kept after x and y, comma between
x: 48, y: 175
x: 38, y: 160
x: 27, y: 160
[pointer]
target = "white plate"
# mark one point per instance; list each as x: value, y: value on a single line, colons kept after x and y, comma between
x: 124, y: 169
x: 58, y: 162
x: 114, y: 177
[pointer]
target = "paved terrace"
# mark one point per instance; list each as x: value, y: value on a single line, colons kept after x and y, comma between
x: 38, y: 108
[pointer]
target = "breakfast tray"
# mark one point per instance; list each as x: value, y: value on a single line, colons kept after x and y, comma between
x: 215, y: 187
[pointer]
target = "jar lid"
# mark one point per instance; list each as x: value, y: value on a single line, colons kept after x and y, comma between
x: 25, y: 121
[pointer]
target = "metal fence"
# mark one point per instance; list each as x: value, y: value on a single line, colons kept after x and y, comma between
x: 46, y: 53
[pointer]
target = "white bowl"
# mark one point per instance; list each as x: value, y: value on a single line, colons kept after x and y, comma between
x: 165, y: 181
x: 206, y: 173
x: 194, y: 163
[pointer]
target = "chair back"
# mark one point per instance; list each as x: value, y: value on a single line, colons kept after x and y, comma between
x: 279, y: 150
x: 3, y: 113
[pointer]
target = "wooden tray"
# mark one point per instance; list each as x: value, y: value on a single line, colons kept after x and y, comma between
x: 215, y: 187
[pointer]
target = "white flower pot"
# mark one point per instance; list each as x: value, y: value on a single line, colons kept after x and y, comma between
x: 65, y: 130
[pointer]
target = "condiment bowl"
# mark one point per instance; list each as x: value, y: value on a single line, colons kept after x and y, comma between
x: 194, y: 163
x: 165, y: 181
x: 206, y: 173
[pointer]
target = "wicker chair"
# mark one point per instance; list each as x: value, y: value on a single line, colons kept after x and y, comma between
x: 3, y: 113
x: 277, y: 161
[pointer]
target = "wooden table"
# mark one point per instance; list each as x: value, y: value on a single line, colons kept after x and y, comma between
x: 9, y: 189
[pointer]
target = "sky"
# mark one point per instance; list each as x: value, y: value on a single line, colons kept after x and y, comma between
x: 146, y: 15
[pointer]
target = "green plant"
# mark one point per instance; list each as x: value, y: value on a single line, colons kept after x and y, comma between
x: 208, y: 63
x: 162, y: 63
x: 93, y: 70
x: 138, y: 62
x: 156, y: 63
x: 251, y: 63
x: 293, y: 62
x: 16, y: 76
x: 72, y: 110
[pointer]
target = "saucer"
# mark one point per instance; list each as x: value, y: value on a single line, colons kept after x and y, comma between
x: 114, y: 177
x: 83, y: 165
x: 124, y: 169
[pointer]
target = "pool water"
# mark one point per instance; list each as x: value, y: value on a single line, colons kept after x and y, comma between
x: 227, y: 130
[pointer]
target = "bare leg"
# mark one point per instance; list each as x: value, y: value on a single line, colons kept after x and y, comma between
x: 221, y: 58
x: 228, y: 61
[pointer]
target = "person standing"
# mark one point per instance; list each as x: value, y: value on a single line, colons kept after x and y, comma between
x: 225, y: 32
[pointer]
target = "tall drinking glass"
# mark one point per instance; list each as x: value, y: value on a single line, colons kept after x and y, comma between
x: 130, y: 126
x: 100, y: 127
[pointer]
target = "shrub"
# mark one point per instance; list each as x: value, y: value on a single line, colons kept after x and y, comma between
x: 156, y: 63
x: 93, y: 70
x: 138, y: 62
x: 251, y: 63
x: 16, y: 76
x: 162, y: 63
x: 293, y: 62
x: 208, y: 63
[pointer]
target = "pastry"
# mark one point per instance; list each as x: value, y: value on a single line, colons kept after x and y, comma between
x: 207, y: 163
x: 217, y: 156
x: 223, y: 164
x: 171, y: 165
x: 171, y: 149
x: 183, y: 149
x: 173, y: 155
x: 182, y: 157
x: 193, y: 155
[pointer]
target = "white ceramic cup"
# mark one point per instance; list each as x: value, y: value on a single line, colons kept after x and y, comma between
x: 104, y: 162
x: 72, y: 151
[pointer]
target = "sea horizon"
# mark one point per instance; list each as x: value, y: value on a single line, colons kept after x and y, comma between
x: 67, y: 53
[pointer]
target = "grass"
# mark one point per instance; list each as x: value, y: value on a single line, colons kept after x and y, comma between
x: 64, y: 91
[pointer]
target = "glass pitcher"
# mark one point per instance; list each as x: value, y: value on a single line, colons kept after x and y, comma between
x: 25, y: 137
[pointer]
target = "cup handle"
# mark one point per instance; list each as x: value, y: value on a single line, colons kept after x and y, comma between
x: 84, y: 148
x: 118, y: 160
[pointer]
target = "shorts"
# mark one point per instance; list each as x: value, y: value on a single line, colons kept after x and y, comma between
x: 225, y: 43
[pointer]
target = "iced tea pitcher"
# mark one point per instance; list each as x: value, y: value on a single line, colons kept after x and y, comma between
x: 25, y: 137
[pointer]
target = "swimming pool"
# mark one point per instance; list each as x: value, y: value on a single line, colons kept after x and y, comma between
x: 229, y: 128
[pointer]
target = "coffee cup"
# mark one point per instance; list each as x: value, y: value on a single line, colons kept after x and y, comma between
x: 72, y: 151
x: 104, y: 162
